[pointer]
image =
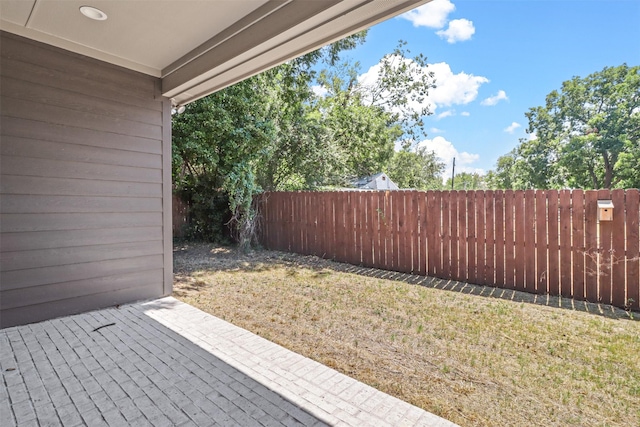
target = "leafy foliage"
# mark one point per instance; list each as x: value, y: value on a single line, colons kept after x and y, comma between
x: 216, y: 143
x: 272, y: 132
x: 418, y: 169
x: 587, y: 136
x: 467, y: 181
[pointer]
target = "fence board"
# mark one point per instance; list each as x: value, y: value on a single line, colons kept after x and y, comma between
x: 326, y: 224
x: 431, y: 229
x: 632, y: 202
x: 347, y: 211
x: 373, y: 229
x: 446, y: 234
x: 618, y: 276
x: 472, y: 261
x: 541, y: 242
x: 481, y: 260
x: 271, y: 219
x: 462, y: 235
x: 352, y: 256
x: 530, y: 240
x: 509, y: 239
x: 554, y: 248
x: 276, y: 218
x: 312, y: 217
x: 359, y: 224
x: 519, y: 240
x: 489, y: 269
x: 392, y: 222
x: 388, y: 224
x: 280, y: 220
x: 437, y: 233
x: 289, y: 223
x: 301, y: 219
x: 415, y: 234
x: 339, y: 240
x: 565, y: 243
x: 401, y: 227
x: 453, y: 206
x: 591, y: 246
x: 604, y: 273
x: 304, y: 222
x: 365, y: 229
x: 577, y: 244
x: 404, y: 254
x: 500, y: 228
x: 422, y: 232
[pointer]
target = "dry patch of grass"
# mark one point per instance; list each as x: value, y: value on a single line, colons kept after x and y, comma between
x: 475, y: 360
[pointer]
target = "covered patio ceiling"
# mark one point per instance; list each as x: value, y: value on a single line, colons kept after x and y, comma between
x: 195, y: 46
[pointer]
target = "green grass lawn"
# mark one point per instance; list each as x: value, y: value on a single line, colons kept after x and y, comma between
x: 507, y: 359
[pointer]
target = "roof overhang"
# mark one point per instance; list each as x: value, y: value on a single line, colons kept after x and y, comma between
x: 196, y: 46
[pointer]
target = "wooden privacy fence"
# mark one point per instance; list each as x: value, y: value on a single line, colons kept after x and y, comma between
x: 543, y: 242
x: 180, y: 216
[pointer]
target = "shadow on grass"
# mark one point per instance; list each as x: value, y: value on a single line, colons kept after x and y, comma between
x: 604, y: 310
x: 192, y: 257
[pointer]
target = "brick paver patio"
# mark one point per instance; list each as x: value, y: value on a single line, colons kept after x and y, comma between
x: 166, y: 363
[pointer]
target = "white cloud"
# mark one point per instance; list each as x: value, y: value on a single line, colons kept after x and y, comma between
x: 446, y: 151
x: 454, y: 89
x: 533, y: 135
x: 451, y: 89
x: 320, y: 91
x: 465, y: 114
x: 493, y: 100
x: 459, y: 30
x: 444, y: 114
x: 436, y: 130
x: 433, y: 14
x: 512, y: 127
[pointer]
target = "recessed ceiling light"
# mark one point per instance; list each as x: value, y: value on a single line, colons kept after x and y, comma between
x: 93, y: 13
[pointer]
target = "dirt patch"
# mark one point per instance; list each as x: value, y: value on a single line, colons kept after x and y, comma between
x: 474, y: 355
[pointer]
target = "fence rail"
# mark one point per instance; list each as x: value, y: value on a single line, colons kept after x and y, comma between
x: 543, y: 242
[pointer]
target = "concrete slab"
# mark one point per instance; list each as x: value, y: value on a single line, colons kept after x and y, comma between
x: 164, y: 362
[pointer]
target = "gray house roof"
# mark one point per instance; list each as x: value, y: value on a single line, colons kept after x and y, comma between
x: 379, y: 181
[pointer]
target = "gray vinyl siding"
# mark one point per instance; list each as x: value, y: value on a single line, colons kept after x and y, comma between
x: 85, y: 184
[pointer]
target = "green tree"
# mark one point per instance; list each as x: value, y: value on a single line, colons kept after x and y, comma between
x: 216, y: 143
x: 401, y: 88
x: 365, y: 120
x: 272, y: 132
x: 584, y: 128
x: 467, y: 181
x: 419, y: 169
x: 263, y: 132
x: 295, y: 156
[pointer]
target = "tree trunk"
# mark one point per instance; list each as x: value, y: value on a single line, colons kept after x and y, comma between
x: 608, y: 170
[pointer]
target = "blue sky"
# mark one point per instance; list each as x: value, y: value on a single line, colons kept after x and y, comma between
x: 496, y: 59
